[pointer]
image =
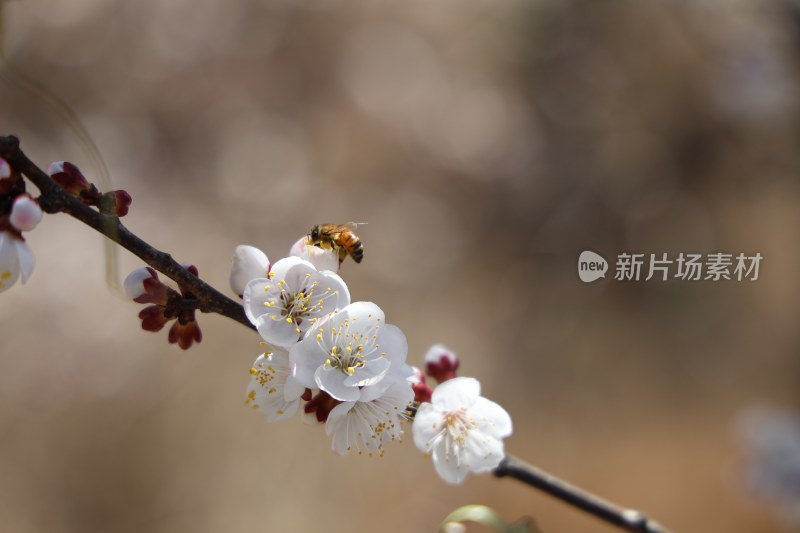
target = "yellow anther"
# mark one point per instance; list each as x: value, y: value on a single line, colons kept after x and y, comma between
x: 254, y: 371
x: 351, y: 370
x: 289, y: 319
x: 271, y: 273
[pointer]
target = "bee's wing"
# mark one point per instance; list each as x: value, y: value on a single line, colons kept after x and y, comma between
x: 351, y: 226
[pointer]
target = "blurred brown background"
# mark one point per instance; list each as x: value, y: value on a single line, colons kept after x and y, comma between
x: 487, y: 144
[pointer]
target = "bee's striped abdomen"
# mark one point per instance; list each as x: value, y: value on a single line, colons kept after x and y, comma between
x: 353, y: 245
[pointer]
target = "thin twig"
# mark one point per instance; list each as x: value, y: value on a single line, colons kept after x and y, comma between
x: 627, y: 519
x: 54, y: 199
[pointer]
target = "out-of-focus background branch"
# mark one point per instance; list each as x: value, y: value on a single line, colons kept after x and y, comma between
x: 487, y: 145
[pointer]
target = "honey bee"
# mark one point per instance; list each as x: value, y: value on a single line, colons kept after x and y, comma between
x: 338, y: 237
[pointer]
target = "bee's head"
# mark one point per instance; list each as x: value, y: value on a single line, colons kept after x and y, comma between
x: 315, y: 233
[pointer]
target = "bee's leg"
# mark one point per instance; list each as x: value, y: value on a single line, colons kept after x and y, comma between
x: 342, y: 254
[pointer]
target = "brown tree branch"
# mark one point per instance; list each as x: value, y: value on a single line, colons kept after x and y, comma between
x: 627, y: 519
x: 54, y: 199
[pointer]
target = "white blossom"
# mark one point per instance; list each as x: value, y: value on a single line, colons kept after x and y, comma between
x: 293, y: 297
x: 350, y: 351
x: 461, y: 430
x: 373, y: 421
x: 248, y: 264
x: 272, y: 388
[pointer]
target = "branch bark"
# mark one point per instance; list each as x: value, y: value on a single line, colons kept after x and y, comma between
x: 54, y: 199
x: 626, y: 519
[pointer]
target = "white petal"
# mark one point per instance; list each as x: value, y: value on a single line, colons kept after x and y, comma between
x: 280, y: 268
x: 447, y: 464
x: 292, y: 389
x: 482, y: 452
x: 427, y: 425
x: 331, y: 380
x: 456, y: 393
x: 9, y: 261
x: 276, y: 330
x: 26, y: 259
x: 393, y: 341
x: 345, y: 429
x: 364, y: 311
x: 248, y: 263
x: 378, y: 389
x: 337, y: 287
x: 369, y: 374
x: 491, y: 418
x: 306, y: 356
x: 254, y: 297
x: 134, y: 282
x: 296, y: 274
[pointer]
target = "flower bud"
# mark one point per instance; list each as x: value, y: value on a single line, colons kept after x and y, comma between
x: 191, y: 268
x: 185, y: 334
x: 68, y: 176
x: 153, y: 318
x: 134, y: 282
x: 25, y: 213
x: 321, y: 259
x: 114, y: 203
x: 248, y: 263
x: 422, y: 391
x: 143, y: 286
x: 441, y: 363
